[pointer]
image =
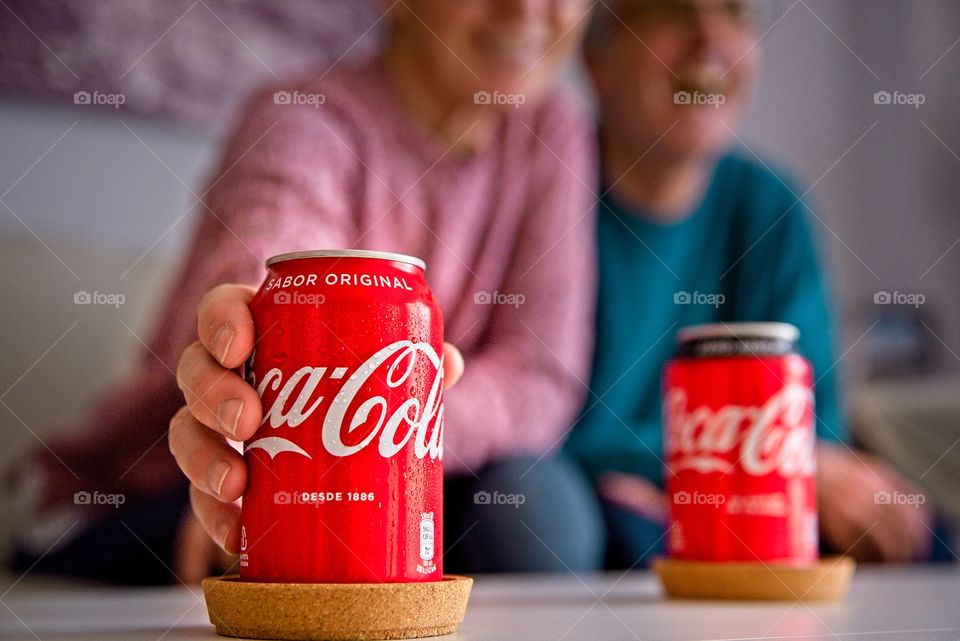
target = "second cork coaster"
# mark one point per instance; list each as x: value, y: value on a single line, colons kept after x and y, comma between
x: 336, y: 611
x: 826, y: 580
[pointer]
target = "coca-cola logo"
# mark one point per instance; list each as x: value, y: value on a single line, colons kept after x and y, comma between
x: 775, y: 436
x: 351, y: 423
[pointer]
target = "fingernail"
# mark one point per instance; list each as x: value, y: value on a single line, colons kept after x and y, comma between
x: 222, y: 341
x: 216, y: 475
x: 228, y: 415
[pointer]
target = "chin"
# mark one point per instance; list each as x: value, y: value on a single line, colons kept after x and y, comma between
x: 510, y: 78
x: 708, y: 126
x: 693, y: 143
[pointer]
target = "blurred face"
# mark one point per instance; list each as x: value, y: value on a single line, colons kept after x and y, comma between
x: 689, y: 62
x: 514, y: 47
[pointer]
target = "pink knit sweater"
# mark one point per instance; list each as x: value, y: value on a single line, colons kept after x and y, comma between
x: 356, y: 171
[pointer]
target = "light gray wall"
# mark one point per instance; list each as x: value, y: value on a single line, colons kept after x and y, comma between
x: 88, y: 207
x: 890, y: 205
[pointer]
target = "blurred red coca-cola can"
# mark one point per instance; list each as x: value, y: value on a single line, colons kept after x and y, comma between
x: 740, y: 446
x: 346, y: 473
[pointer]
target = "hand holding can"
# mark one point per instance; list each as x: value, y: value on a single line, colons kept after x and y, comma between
x: 197, y: 438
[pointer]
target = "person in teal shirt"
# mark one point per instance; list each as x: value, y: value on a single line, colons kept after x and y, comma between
x: 693, y: 227
x: 745, y: 252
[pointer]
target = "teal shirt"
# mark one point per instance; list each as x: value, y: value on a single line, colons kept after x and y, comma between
x: 750, y: 241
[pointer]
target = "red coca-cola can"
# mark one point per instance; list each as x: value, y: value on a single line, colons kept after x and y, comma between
x: 346, y: 469
x: 740, y: 446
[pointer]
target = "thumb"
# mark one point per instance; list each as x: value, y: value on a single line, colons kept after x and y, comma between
x: 452, y: 365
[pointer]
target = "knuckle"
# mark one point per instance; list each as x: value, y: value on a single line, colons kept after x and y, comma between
x: 186, y: 363
x: 177, y: 419
x: 208, y: 299
x: 177, y: 424
x: 195, y: 502
x: 211, y: 306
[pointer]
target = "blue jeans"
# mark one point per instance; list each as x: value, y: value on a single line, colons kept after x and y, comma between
x: 634, y: 541
x: 534, y: 517
x: 135, y: 545
x: 520, y: 515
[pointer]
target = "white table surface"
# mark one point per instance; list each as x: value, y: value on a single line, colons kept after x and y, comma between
x: 885, y: 604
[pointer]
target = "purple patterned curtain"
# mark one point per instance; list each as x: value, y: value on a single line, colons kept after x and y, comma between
x: 190, y: 61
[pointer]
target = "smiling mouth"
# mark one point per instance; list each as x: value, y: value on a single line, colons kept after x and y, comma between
x: 523, y: 50
x: 708, y: 79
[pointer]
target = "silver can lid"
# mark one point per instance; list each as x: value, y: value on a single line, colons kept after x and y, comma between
x: 771, y: 331
x: 347, y: 253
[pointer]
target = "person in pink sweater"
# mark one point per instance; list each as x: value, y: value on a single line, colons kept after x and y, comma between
x: 453, y: 145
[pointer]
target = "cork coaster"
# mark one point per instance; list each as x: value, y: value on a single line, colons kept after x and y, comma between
x: 336, y: 611
x: 826, y: 580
